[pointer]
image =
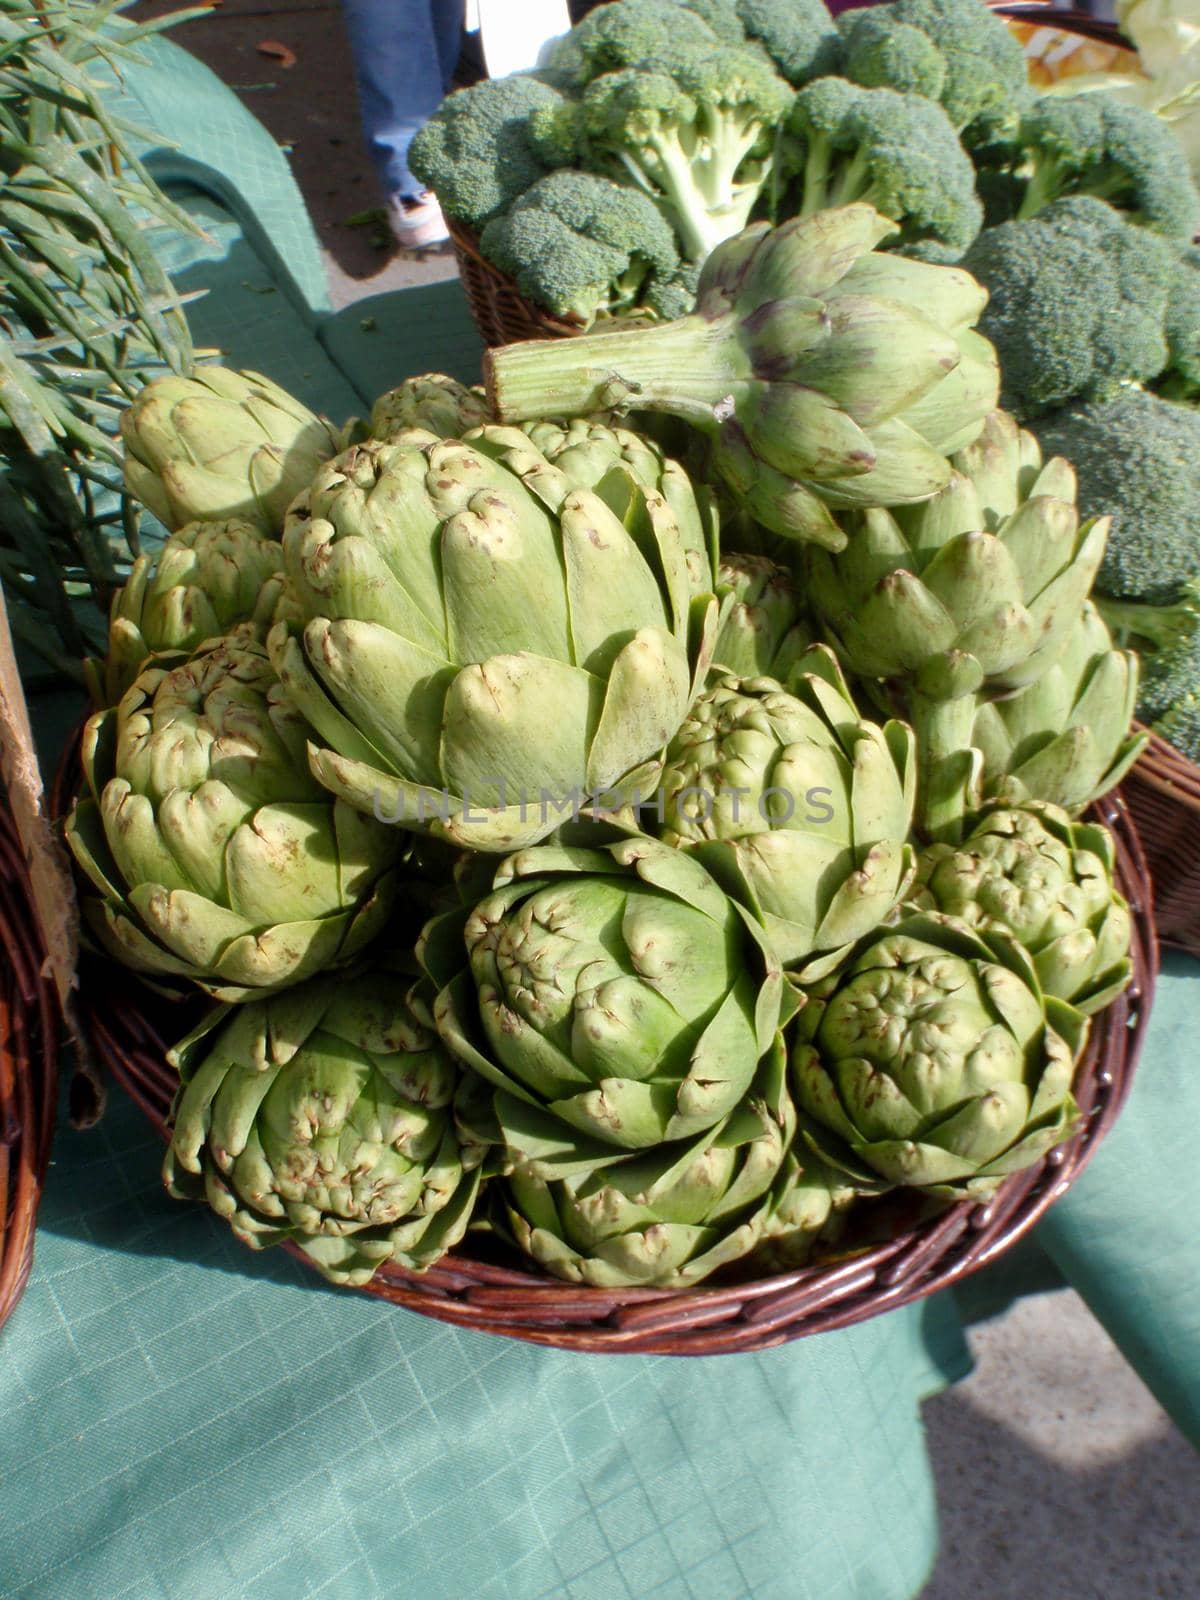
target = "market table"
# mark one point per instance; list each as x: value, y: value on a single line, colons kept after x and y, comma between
x: 185, y: 1419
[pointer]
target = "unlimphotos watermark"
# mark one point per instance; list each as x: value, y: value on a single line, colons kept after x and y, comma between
x: 776, y: 806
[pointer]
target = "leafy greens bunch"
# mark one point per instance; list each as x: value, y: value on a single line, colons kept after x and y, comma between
x: 87, y: 313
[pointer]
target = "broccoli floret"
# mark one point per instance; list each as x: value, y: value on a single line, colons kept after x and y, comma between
x: 1182, y: 378
x: 1137, y: 458
x: 696, y: 133
x: 800, y: 36
x: 675, y: 296
x: 1167, y: 638
x: 1180, y: 726
x: 985, y: 83
x: 883, y: 54
x: 476, y: 152
x: 719, y: 15
x: 1093, y: 144
x: 1078, y: 303
x: 629, y: 33
x: 581, y: 246
x: 898, y: 152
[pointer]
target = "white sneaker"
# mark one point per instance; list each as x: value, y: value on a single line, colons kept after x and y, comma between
x: 417, y: 224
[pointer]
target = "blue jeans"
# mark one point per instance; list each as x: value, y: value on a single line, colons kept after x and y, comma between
x: 404, y: 54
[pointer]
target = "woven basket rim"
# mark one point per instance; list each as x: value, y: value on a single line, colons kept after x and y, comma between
x: 515, y: 1298
x: 29, y: 1039
x: 1163, y: 795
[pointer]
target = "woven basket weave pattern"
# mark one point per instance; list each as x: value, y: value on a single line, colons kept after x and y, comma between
x: 28, y: 1068
x: 1163, y: 794
x: 500, y: 311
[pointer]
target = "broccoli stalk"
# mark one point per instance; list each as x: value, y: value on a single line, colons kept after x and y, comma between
x: 1136, y: 624
x: 1091, y: 144
x: 896, y: 152
x: 696, y: 134
x: 1168, y: 639
x: 695, y: 166
x: 829, y: 181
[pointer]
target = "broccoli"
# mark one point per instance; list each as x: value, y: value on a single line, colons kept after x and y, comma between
x: 675, y: 296
x: 896, y: 151
x: 695, y: 132
x: 1180, y: 726
x: 800, y: 36
x: 1182, y: 379
x: 630, y: 33
x: 985, y: 83
x: 1094, y: 144
x: 1167, y: 638
x: 883, y: 54
x: 581, y: 246
x: 1137, y: 456
x: 477, y: 152
x: 719, y: 15
x: 1077, y: 303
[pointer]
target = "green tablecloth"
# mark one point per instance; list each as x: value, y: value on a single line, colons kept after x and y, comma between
x: 184, y: 1419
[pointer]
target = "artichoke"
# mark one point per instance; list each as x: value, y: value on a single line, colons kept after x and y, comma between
x: 825, y: 375
x: 221, y: 444
x: 668, y: 1216
x: 797, y: 806
x: 592, y: 454
x: 208, y: 578
x: 615, y: 994
x: 808, y: 1204
x: 1031, y: 872
x: 1066, y: 738
x: 485, y: 648
x: 974, y: 593
x: 764, y: 629
x: 215, y: 856
x: 933, y: 1060
x: 433, y: 403
x: 979, y: 587
x: 324, y: 1116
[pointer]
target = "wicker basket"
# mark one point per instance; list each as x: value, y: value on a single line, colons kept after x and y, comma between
x: 1163, y: 794
x: 500, y: 310
x: 478, y: 1287
x: 29, y: 1037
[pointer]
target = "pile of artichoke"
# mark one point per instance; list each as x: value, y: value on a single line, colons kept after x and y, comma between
x: 655, y: 865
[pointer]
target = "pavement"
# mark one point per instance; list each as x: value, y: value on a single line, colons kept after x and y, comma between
x: 1059, y: 1476
x: 290, y: 64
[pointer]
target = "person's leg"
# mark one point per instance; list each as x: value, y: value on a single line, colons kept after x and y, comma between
x: 398, y: 66
x: 448, y: 18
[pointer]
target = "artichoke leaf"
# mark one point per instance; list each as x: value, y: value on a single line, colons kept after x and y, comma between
x: 503, y: 575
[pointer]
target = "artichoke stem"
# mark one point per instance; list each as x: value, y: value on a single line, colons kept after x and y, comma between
x: 948, y: 769
x: 684, y: 367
